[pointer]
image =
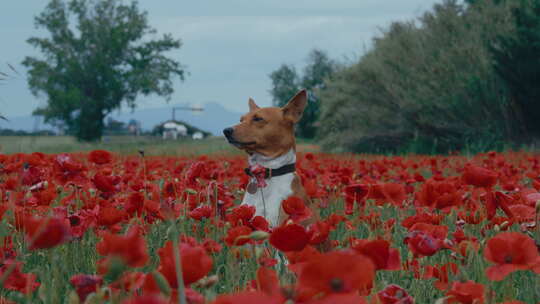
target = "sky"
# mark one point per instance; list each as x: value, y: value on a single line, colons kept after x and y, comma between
x: 229, y: 47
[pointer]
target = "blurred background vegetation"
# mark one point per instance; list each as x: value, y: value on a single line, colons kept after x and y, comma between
x: 463, y: 76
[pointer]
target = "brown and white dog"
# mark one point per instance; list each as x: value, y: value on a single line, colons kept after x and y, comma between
x: 267, y: 135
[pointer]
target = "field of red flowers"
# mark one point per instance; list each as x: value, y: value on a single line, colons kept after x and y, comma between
x: 104, y: 228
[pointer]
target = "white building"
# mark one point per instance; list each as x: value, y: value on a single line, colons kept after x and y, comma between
x: 198, y: 135
x: 173, y: 130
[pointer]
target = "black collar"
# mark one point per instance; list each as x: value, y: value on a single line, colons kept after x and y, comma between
x: 290, y: 168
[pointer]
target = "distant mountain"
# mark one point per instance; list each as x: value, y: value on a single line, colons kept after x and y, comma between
x: 213, y: 119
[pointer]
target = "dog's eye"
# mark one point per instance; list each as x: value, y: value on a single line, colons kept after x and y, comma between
x: 257, y: 118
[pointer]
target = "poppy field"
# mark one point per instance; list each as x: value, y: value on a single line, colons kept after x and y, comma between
x: 101, y: 227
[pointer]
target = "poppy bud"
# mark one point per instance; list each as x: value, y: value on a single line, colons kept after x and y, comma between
x: 162, y: 283
x: 258, y: 252
x: 171, y: 233
x: 190, y: 191
x: 441, y: 300
x: 73, y: 298
x: 259, y: 235
x: 504, y: 225
x: 207, y: 281
x: 497, y: 228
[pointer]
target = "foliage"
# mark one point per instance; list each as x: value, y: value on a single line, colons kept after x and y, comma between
x: 99, y: 55
x: 517, y: 61
x: 427, y: 84
x: 286, y: 83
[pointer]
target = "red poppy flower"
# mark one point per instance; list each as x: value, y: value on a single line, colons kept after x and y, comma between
x: 135, y: 203
x: 292, y: 237
x: 241, y: 214
x: 298, y: 259
x: 196, y: 263
x: 395, y: 193
x: 511, y: 251
x: 85, y: 284
x: 441, y: 273
x: 66, y: 169
x: 146, y: 299
x: 338, y: 272
x: 131, y: 247
x: 260, y: 223
x: 247, y: 298
x: 394, y: 294
x: 268, y: 281
x: 46, y: 232
x: 100, y: 157
x: 466, y: 293
x: 380, y: 253
x: 195, y: 171
x: 296, y: 209
x: 110, y: 216
x: 355, y: 193
x: 32, y: 175
x: 15, y: 279
x: 201, y: 212
x: 106, y: 183
x: 425, y: 239
x: 496, y: 200
x: 318, y: 232
x: 438, y: 194
x: 234, y: 234
x: 422, y: 217
x: 388, y: 192
x: 478, y: 176
x: 341, y: 299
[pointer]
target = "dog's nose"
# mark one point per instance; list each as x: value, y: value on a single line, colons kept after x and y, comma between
x: 228, y: 132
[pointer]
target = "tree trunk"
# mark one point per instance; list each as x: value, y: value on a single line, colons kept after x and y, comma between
x: 90, y: 122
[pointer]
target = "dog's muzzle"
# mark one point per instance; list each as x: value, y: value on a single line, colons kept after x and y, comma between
x: 228, y: 132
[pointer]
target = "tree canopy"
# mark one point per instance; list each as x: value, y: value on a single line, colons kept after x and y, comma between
x: 286, y: 83
x: 99, y: 56
x: 431, y: 85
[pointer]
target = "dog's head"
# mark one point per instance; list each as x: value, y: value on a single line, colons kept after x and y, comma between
x: 268, y: 131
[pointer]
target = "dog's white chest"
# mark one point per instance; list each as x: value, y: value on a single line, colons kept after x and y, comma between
x: 267, y: 200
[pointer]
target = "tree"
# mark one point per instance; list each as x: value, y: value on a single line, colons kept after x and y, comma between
x: 319, y: 69
x: 93, y: 66
x: 286, y: 83
x: 426, y: 85
x: 517, y: 61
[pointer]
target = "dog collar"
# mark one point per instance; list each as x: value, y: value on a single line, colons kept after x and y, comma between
x: 268, y: 173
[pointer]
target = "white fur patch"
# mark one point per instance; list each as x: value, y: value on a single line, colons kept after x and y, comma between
x: 268, y: 200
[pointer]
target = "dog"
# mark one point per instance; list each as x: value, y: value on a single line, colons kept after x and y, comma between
x: 267, y: 135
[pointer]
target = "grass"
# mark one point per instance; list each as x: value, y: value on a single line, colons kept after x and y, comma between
x: 119, y: 144
x: 126, y: 145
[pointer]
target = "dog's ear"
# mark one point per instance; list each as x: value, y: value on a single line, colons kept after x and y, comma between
x: 252, y: 105
x: 295, y: 107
